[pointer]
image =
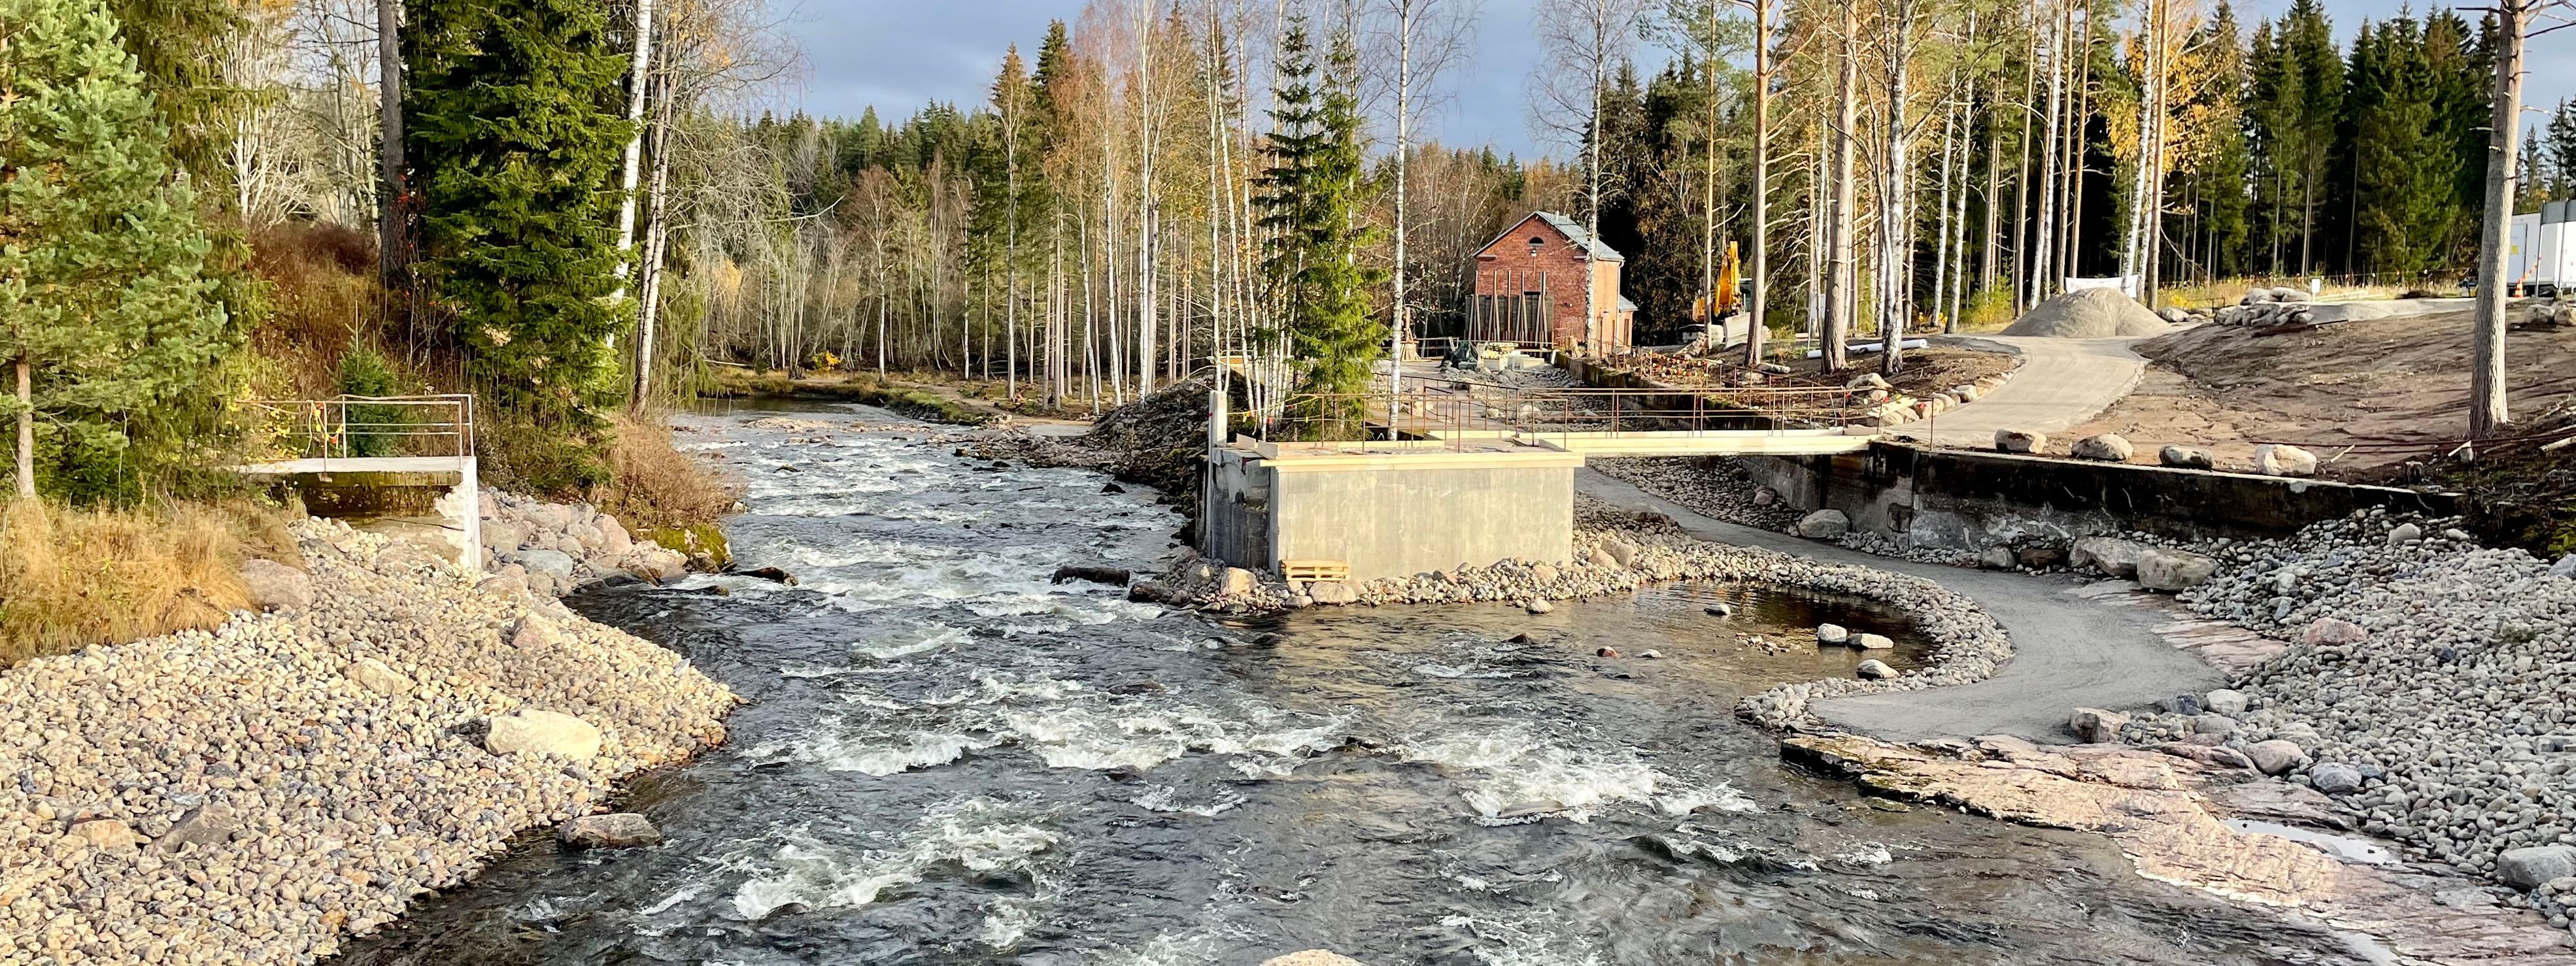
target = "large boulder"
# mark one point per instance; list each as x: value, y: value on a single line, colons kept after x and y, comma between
x: 2110, y: 555
x: 1874, y: 670
x: 377, y: 676
x: 2335, y: 778
x: 535, y: 631
x: 107, y: 833
x: 2186, y: 458
x: 1872, y: 642
x: 2527, y: 868
x: 1824, y: 525
x: 2108, y: 447
x: 2020, y: 441
x: 533, y: 732
x: 1332, y: 592
x: 2096, y: 726
x: 2333, y: 632
x: 2226, y: 701
x: 1237, y: 582
x: 502, y: 536
x: 552, y: 563
x: 2275, y: 757
x: 1832, y: 634
x: 2170, y: 570
x: 276, y: 586
x: 2282, y: 459
x: 208, y: 825
x: 618, y: 830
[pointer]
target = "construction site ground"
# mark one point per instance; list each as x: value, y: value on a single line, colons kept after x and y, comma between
x: 1927, y: 370
x: 2363, y: 395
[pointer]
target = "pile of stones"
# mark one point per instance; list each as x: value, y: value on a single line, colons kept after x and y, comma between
x: 2428, y: 688
x: 556, y: 547
x: 253, y: 793
x: 1888, y: 407
x: 2266, y: 307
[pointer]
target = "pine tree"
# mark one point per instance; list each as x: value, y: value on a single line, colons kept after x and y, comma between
x: 2562, y: 147
x: 104, y: 308
x: 514, y: 127
x: 1311, y: 203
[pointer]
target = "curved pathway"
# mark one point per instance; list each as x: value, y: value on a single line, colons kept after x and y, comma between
x: 2069, y: 651
x: 2060, y: 384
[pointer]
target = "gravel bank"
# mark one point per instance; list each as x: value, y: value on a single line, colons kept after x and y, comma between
x: 2428, y: 689
x: 251, y: 794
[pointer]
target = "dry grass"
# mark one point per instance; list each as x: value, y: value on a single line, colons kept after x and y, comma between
x: 654, y: 486
x: 72, y: 578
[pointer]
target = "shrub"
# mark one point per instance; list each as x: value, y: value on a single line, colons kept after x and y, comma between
x: 653, y: 486
x: 365, y: 372
x: 72, y: 578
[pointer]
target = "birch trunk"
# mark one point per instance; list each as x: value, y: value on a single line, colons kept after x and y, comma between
x: 639, y: 74
x: 1759, y: 320
x: 1839, y: 291
x: 26, y: 427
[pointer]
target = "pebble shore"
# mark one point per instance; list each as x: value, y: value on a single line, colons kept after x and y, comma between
x: 255, y: 793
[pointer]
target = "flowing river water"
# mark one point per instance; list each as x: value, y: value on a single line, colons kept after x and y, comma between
x: 949, y: 760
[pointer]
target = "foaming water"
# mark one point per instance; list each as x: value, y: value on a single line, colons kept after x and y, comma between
x: 948, y: 759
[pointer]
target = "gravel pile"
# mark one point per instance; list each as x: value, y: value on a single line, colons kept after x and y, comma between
x: 2094, y: 313
x: 2428, y: 687
x: 560, y: 546
x: 251, y: 794
x: 1967, y: 644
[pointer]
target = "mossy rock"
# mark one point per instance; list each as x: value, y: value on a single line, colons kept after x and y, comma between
x: 694, y: 539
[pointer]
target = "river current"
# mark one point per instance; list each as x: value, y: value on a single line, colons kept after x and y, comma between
x: 947, y: 759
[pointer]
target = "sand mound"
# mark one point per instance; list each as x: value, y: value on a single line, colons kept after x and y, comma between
x: 2094, y: 313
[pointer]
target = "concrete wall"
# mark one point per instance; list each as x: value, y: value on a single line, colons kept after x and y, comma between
x: 1391, y: 517
x: 1972, y: 500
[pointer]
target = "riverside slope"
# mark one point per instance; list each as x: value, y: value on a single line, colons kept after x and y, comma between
x: 250, y: 795
x: 2068, y: 652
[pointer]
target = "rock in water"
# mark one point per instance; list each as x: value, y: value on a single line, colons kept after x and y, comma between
x: 1312, y: 957
x: 1874, y: 670
x: 1237, y: 582
x: 1113, y: 576
x: 2108, y: 448
x: 1832, y: 634
x: 276, y: 586
x: 2275, y: 757
x: 2527, y: 868
x: 2186, y: 458
x: 2174, y: 569
x: 1538, y: 606
x: 2281, y: 459
x: 1824, y: 525
x: 2335, y: 778
x: 2096, y: 726
x: 618, y: 830
x: 1332, y: 592
x: 1872, y: 642
x: 544, y: 733
x: 2019, y: 441
x: 772, y: 574
x: 1721, y: 610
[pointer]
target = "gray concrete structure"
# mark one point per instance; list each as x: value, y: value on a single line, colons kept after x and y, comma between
x: 1391, y: 513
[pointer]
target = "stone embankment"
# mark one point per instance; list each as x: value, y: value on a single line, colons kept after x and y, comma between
x: 556, y: 547
x: 1617, y: 553
x: 255, y: 793
x: 2428, y: 689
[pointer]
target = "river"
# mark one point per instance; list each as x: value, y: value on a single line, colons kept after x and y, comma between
x: 949, y: 760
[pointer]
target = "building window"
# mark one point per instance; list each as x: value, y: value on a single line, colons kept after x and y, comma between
x: 1536, y: 243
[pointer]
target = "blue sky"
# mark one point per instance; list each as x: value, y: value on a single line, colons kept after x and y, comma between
x: 900, y: 54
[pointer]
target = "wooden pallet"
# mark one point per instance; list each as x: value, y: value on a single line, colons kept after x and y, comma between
x: 1314, y: 571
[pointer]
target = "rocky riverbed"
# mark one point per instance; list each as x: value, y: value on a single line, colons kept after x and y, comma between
x: 256, y: 793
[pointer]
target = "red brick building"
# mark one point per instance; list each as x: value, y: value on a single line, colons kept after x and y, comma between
x: 1530, y: 288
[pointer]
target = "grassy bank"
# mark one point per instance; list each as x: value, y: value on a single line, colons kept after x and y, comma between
x: 70, y: 578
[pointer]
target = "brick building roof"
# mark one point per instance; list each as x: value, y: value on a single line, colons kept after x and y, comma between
x: 1571, y: 230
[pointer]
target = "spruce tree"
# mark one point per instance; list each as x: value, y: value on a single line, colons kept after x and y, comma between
x: 105, y: 313
x: 2562, y: 147
x: 2404, y: 163
x: 1311, y: 204
x: 514, y: 124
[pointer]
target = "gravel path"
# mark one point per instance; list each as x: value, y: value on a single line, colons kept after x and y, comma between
x: 2069, y: 652
x: 2061, y: 383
